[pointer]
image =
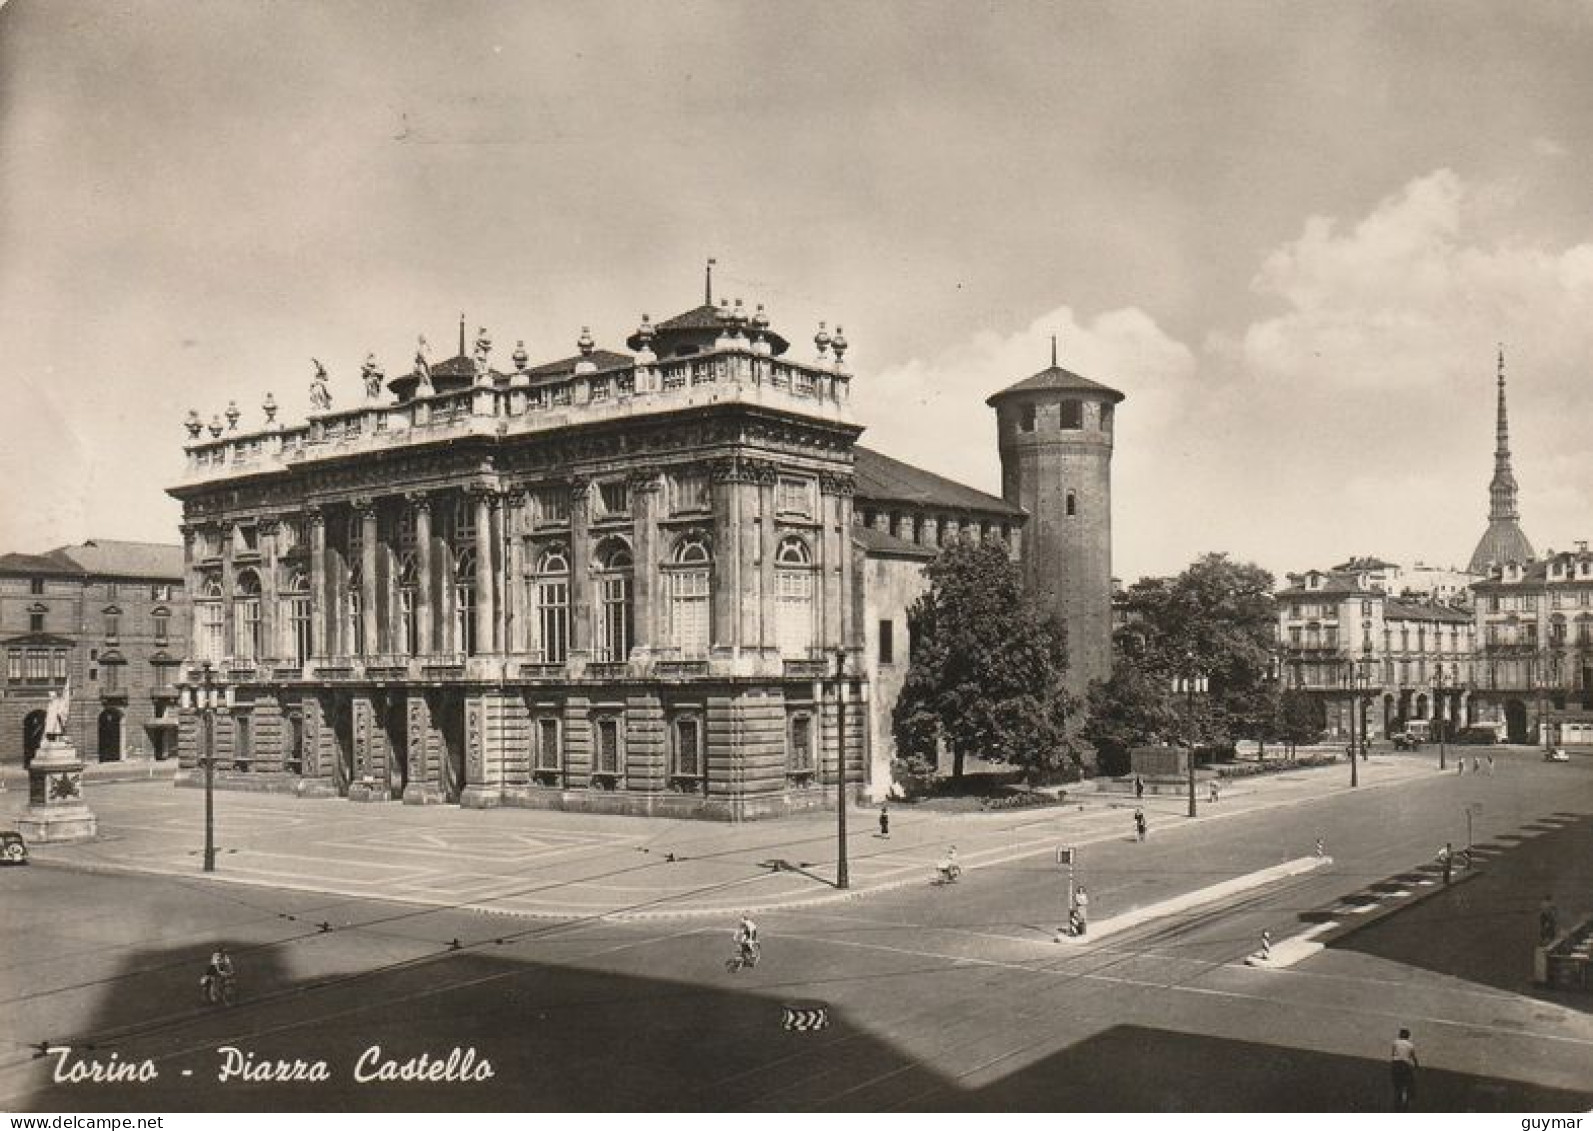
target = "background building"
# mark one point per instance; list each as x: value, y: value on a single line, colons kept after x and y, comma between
x: 612, y: 582
x: 113, y: 617
x: 1343, y: 635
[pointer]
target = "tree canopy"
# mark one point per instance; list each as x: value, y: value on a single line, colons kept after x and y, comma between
x: 987, y: 668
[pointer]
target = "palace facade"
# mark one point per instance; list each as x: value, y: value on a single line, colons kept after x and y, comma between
x: 667, y: 581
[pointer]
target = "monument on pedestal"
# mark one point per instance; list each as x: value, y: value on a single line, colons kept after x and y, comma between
x: 56, y: 810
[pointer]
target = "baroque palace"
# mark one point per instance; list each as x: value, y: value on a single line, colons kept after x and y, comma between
x: 667, y: 581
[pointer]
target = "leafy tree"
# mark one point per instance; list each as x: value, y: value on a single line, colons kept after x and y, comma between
x: 1216, y: 619
x: 987, y: 668
x: 1130, y: 709
x: 1300, y: 718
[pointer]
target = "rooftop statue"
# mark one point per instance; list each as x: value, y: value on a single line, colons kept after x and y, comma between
x: 320, y: 395
x: 423, y: 370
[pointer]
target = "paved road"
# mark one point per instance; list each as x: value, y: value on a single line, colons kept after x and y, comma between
x: 940, y: 998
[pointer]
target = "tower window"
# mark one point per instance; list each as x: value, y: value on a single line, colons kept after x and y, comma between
x: 1073, y: 504
x: 887, y: 642
x: 1026, y: 418
x: 1072, y: 415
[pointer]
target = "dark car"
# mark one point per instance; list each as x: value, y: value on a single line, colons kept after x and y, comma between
x: 13, y: 849
x: 1403, y: 741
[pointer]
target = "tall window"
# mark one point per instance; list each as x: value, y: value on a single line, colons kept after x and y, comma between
x: 36, y: 620
x: 688, y: 493
x: 112, y: 684
x: 243, y: 741
x: 547, y: 760
x: 687, y: 756
x: 799, y: 758
x: 113, y: 623
x: 465, y: 601
x: 408, y: 605
x: 299, y: 616
x: 246, y: 616
x: 794, y: 496
x: 550, y: 603
x: 207, y: 608
x: 162, y: 622
x: 606, y: 740
x: 614, y: 629
x: 464, y: 522
x: 36, y: 586
x: 1071, y: 414
x: 58, y: 663
x: 550, y: 506
x: 793, y: 595
x: 14, y: 664
x: 887, y: 642
x: 689, y: 590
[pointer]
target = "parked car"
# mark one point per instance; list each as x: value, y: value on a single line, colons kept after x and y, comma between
x: 1406, y: 741
x: 13, y: 849
x: 1556, y: 754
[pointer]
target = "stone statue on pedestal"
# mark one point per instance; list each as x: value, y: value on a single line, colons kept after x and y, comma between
x: 58, y: 714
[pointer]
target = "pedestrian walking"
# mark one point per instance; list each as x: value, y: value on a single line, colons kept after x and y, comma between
x: 1403, y: 1063
x: 1216, y: 791
x: 1460, y: 764
x: 884, y: 821
x: 1140, y: 826
x: 1548, y: 921
x: 1321, y: 849
x: 1139, y: 787
x: 1490, y: 765
x: 1080, y: 919
x: 1446, y: 857
x: 1476, y: 764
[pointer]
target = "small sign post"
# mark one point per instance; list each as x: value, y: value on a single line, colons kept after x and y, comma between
x: 1068, y: 856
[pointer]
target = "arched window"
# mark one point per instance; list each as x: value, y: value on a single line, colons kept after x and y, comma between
x: 614, y: 624
x: 408, y: 605
x: 793, y: 594
x: 246, y: 616
x: 550, y: 606
x: 690, y: 587
x: 299, y: 616
x: 207, y: 609
x: 465, y: 601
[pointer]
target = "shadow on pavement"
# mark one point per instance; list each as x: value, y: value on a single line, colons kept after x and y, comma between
x: 1129, y: 1068
x: 1485, y: 930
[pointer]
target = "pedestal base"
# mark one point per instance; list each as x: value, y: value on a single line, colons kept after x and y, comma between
x: 480, y: 797
x: 369, y: 791
x: 56, y: 810
x: 59, y: 824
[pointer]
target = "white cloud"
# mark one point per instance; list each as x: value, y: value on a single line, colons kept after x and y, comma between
x: 1548, y: 147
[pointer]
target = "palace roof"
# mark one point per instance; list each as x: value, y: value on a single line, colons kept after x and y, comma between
x: 883, y: 479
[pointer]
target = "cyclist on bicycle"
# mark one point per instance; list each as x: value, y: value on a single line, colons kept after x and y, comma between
x: 217, y: 973
x: 747, y: 939
x: 948, y: 867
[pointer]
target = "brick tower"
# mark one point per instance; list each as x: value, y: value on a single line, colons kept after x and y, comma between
x: 1055, y: 434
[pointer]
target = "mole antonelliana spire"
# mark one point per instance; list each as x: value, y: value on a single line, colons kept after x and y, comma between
x: 1504, y: 540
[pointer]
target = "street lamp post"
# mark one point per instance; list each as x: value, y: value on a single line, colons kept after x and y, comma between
x: 1358, y: 678
x: 207, y: 720
x: 1192, y: 682
x: 1543, y: 699
x: 842, y: 879
x: 1438, y: 694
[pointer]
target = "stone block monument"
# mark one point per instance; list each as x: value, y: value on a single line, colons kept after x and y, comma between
x: 56, y: 810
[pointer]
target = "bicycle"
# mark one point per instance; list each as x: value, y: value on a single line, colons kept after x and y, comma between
x: 218, y: 989
x: 746, y: 957
x: 946, y: 873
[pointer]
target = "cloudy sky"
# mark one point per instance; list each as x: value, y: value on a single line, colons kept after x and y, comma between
x: 1292, y: 234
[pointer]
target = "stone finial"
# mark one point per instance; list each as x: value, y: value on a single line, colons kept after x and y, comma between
x: 585, y: 343
x: 644, y: 334
x: 269, y: 407
x: 838, y: 343
x: 646, y: 331
x: 215, y: 426
x: 821, y: 341
x: 232, y: 416
x: 194, y: 424
x: 520, y: 358
x: 738, y: 320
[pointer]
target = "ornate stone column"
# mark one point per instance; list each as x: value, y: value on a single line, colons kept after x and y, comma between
x: 765, y: 476
x: 851, y: 633
x: 368, y: 635
x: 421, y: 502
x: 485, y: 503
x: 191, y: 579
x: 271, y: 622
x: 725, y: 613
x: 320, y: 605
x: 229, y: 640
x: 514, y: 602
x: 646, y: 577
x: 831, y: 554
x: 580, y: 567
